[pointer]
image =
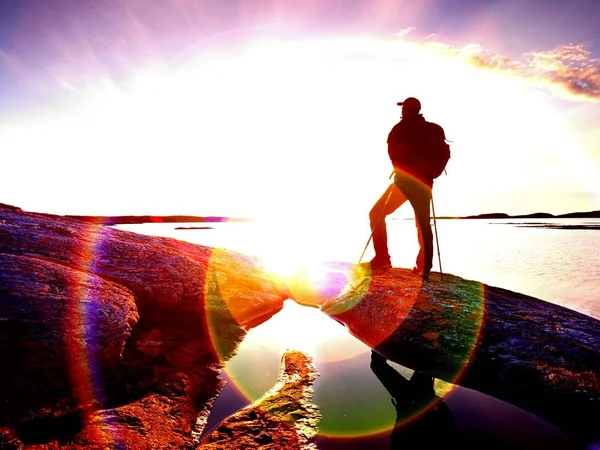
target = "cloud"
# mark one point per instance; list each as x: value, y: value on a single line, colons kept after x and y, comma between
x: 570, y: 66
x: 569, y: 70
x: 405, y: 31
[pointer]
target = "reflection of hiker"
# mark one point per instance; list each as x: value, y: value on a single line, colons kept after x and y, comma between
x: 423, y: 420
x: 419, y: 154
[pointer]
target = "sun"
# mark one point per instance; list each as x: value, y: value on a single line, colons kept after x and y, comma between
x: 288, y: 260
x: 306, y: 329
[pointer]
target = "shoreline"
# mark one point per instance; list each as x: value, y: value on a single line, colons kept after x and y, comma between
x: 134, y: 220
x: 129, y: 220
x: 180, y: 218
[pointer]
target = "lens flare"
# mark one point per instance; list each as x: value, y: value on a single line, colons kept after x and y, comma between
x: 83, y: 320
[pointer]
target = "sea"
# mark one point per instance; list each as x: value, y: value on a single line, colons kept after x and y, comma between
x: 556, y: 260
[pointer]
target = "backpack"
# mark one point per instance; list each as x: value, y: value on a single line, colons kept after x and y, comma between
x: 437, y: 150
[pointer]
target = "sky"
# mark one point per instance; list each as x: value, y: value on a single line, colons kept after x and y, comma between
x: 282, y: 108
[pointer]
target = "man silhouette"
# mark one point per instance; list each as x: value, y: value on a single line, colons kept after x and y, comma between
x: 413, y: 181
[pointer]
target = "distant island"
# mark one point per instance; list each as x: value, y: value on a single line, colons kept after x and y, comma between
x: 539, y: 215
x: 127, y: 220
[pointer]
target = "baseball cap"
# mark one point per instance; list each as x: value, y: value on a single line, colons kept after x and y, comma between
x: 411, y: 103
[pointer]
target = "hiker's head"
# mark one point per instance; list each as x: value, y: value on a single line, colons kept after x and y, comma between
x: 410, y: 107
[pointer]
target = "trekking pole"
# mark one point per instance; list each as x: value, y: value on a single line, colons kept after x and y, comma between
x: 437, y: 243
x: 376, y: 222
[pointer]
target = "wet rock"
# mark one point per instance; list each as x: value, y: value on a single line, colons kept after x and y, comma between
x: 534, y: 354
x: 283, y: 418
x: 114, y: 339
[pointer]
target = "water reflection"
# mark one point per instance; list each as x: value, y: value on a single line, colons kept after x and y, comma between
x: 368, y: 402
x: 423, y: 420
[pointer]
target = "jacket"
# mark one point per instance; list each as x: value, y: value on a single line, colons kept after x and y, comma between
x: 406, y: 149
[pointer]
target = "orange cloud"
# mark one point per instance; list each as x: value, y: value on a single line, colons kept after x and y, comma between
x: 569, y: 70
x: 571, y: 67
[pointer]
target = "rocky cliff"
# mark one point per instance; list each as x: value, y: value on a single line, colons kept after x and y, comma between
x: 110, y: 339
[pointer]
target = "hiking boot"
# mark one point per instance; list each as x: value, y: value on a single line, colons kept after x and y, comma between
x: 380, y: 264
x: 424, y: 274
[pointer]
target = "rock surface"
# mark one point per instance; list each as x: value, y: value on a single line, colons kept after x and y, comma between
x: 536, y: 355
x: 114, y: 339
x: 283, y: 418
x: 110, y: 338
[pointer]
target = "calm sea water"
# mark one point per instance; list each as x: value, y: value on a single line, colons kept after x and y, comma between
x: 359, y: 412
x: 558, y: 265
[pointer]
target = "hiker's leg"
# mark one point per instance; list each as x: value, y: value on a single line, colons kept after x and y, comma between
x: 389, y: 202
x: 420, y: 196
x: 423, y: 219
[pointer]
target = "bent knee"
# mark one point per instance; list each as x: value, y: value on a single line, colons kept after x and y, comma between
x: 375, y: 214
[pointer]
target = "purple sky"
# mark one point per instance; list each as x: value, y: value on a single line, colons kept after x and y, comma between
x: 43, y: 40
x: 516, y: 83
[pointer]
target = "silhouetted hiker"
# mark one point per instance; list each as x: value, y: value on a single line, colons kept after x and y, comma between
x: 423, y: 420
x: 419, y: 154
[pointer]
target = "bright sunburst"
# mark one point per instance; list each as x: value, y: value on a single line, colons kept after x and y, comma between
x: 308, y: 330
x: 297, y: 129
